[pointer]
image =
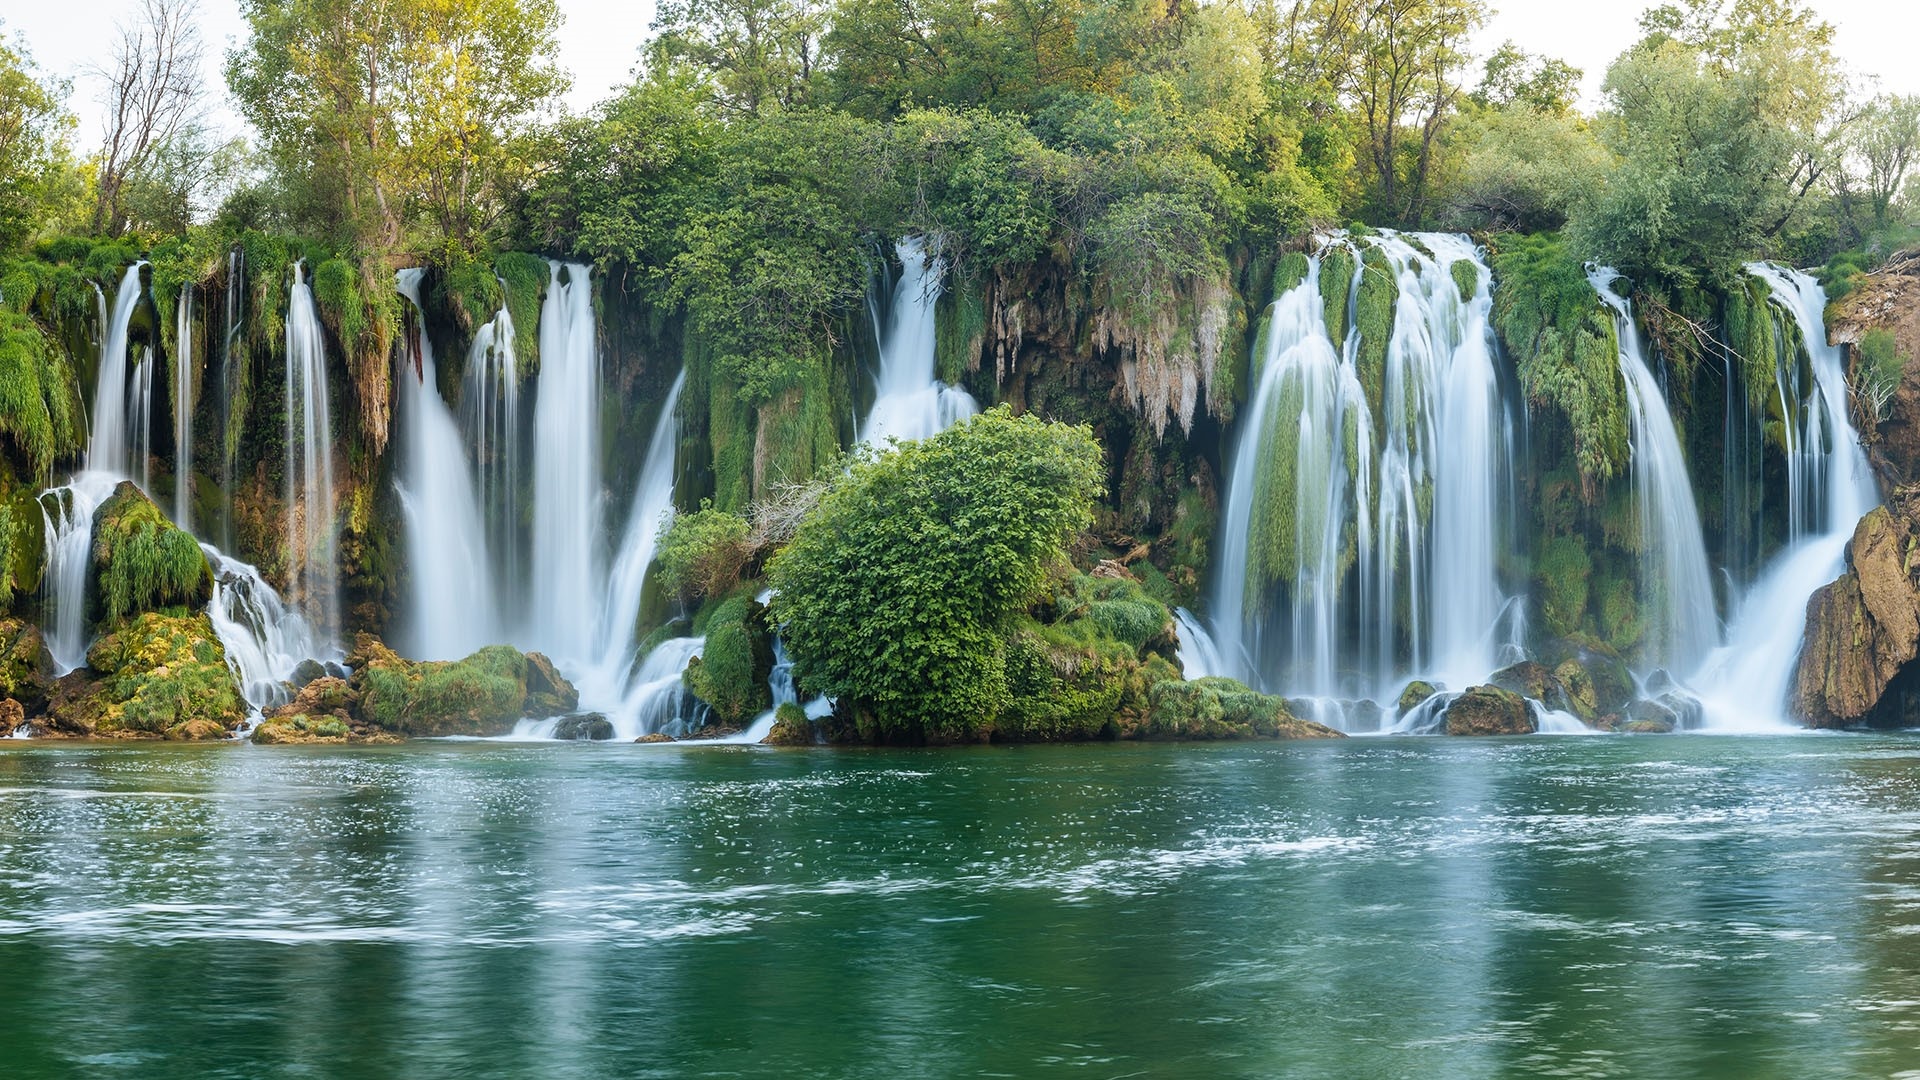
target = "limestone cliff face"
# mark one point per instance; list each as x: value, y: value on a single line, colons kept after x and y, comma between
x: 1889, y: 299
x: 1863, y: 630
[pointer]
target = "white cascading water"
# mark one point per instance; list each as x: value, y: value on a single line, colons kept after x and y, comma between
x: 490, y: 405
x: 909, y: 402
x: 112, y: 438
x: 452, y: 610
x: 1199, y: 656
x: 568, y: 580
x: 1743, y: 685
x: 1676, y: 583
x: 183, y: 410
x: 785, y: 691
x: 1423, y: 594
x: 312, y: 576
x: 605, y: 684
x: 657, y: 700
x: 265, y: 637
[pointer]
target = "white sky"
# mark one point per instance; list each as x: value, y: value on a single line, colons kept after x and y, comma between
x: 600, y: 40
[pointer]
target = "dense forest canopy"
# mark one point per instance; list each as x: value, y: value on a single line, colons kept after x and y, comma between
x: 764, y: 141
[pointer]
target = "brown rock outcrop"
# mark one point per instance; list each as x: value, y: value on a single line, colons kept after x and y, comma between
x: 1863, y: 628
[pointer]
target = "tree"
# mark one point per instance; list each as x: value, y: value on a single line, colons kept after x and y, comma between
x: 391, y: 112
x: 151, y: 93
x: 36, y: 169
x: 1539, y: 83
x: 898, y: 592
x: 1885, y: 142
x: 759, y: 53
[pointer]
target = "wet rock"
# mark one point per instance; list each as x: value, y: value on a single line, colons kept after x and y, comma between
x: 1416, y: 692
x: 1577, y: 681
x: 1864, y: 627
x: 297, y: 728
x: 26, y: 667
x: 150, y: 677
x: 548, y: 692
x: 654, y: 737
x: 584, y: 727
x: 324, y: 696
x: 12, y: 715
x: 1489, y: 710
x: 197, y: 730
x: 485, y: 694
x: 1673, y: 709
x: 1535, y: 681
x: 306, y: 672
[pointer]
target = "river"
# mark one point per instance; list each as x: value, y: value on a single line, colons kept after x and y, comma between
x: 1622, y: 906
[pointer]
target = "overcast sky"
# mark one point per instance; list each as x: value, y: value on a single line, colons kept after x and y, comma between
x: 600, y: 39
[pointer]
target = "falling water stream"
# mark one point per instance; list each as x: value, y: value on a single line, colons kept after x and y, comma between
x: 909, y: 402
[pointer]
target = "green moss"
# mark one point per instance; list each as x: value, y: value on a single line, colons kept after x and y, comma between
x: 36, y: 395
x: 1561, y: 574
x: 526, y: 277
x: 483, y: 694
x: 703, y: 553
x: 1289, y: 272
x: 161, y: 672
x: 1373, y: 316
x: 142, y: 562
x: 1563, y: 338
x: 960, y: 331
x: 730, y: 674
x: 1219, y: 708
x: 1620, y: 623
x: 1336, y: 281
x: 1466, y: 278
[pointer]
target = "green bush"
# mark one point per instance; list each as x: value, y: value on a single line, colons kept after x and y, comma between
x: 142, y: 562
x: 704, y: 552
x: 730, y: 674
x: 897, y: 591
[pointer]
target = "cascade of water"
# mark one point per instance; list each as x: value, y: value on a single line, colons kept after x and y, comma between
x: 234, y: 312
x: 67, y: 528
x: 785, y: 691
x: 1744, y: 683
x: 490, y: 407
x: 183, y: 410
x: 140, y: 419
x: 112, y: 441
x: 658, y: 699
x: 909, y: 403
x: 265, y: 638
x: 568, y: 583
x: 1676, y: 584
x: 604, y: 684
x: 1374, y: 520
x: 1199, y: 656
x: 311, y: 575
x: 452, y: 610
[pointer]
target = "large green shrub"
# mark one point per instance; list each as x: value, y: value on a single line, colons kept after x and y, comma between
x: 142, y: 562
x: 703, y: 552
x: 897, y: 591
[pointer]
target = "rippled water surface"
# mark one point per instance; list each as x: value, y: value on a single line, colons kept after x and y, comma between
x: 1683, y: 906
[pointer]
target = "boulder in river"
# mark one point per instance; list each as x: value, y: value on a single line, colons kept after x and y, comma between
x: 584, y: 727
x: 1489, y: 710
x: 1863, y: 630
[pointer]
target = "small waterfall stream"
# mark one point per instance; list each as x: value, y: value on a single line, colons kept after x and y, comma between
x: 1676, y: 584
x: 183, y: 410
x: 490, y: 404
x: 312, y: 574
x: 909, y: 402
x: 265, y: 637
x: 112, y: 440
x: 451, y: 606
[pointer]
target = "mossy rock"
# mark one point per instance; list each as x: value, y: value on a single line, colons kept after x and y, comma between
x: 142, y: 562
x: 584, y: 727
x: 1221, y: 708
x: 790, y: 727
x: 1535, y: 681
x: 299, y: 728
x: 26, y: 667
x: 730, y: 674
x: 157, y: 676
x: 1489, y: 710
x: 1416, y: 692
x: 485, y: 694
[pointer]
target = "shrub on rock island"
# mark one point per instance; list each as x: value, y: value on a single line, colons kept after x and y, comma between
x: 157, y: 675
x: 142, y: 562
x: 897, y: 593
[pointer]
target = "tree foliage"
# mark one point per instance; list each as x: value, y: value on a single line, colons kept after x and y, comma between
x: 898, y: 591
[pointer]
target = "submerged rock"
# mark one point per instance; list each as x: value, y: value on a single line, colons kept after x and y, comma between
x: 1489, y: 710
x: 584, y: 727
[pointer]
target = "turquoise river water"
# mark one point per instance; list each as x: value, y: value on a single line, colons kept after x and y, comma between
x: 1621, y: 906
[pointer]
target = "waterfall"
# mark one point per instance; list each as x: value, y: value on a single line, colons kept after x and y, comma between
x: 1368, y: 496
x: 312, y: 576
x: 605, y: 684
x: 490, y: 406
x: 118, y: 403
x: 909, y: 403
x: 1676, y: 585
x: 786, y: 691
x: 234, y: 312
x: 568, y: 583
x: 67, y: 528
x: 1744, y: 684
x: 451, y: 604
x: 1199, y: 656
x: 183, y: 410
x: 658, y: 700
x: 265, y: 638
